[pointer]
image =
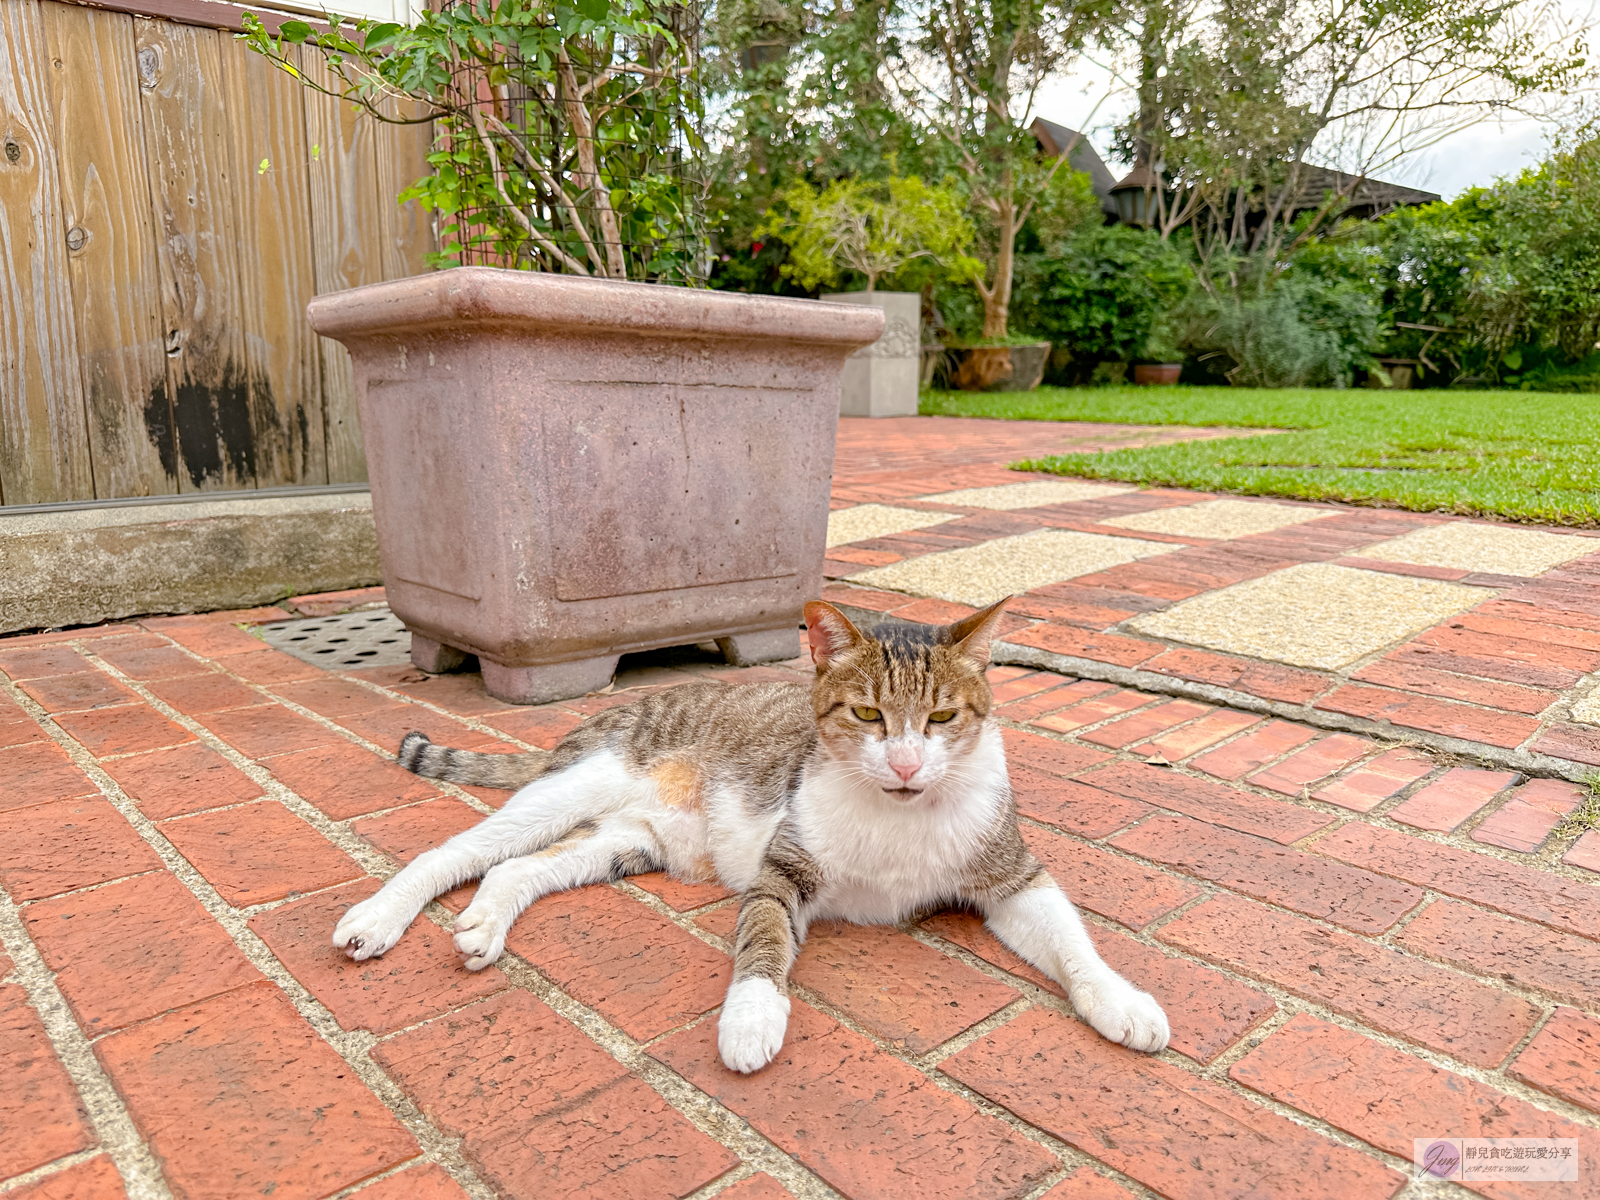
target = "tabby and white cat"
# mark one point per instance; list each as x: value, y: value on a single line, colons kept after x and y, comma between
x: 878, y: 792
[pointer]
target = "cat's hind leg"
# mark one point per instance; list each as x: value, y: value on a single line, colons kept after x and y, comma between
x: 616, y: 848
x: 1040, y: 923
x: 547, y: 809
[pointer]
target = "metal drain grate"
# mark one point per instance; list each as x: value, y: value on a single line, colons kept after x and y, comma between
x: 372, y: 637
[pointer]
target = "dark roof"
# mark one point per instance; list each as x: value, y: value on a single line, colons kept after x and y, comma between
x: 1367, y: 197
x: 1373, y: 195
x: 1054, y: 138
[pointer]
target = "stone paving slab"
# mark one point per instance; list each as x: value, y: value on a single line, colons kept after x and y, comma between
x: 864, y: 522
x: 1311, y: 614
x: 1219, y: 518
x: 1262, y: 877
x: 1482, y: 547
x: 1027, y: 495
x: 982, y: 574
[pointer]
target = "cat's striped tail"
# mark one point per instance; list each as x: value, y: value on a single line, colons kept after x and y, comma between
x: 469, y: 767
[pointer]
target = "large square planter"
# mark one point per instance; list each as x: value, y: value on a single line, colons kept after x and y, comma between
x: 881, y: 380
x: 564, y: 469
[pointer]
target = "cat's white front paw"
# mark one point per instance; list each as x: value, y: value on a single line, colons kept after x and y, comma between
x: 750, y: 1030
x: 370, y: 928
x: 1122, y: 1013
x: 479, y: 938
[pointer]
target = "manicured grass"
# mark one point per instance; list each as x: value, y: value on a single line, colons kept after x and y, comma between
x: 1523, y: 456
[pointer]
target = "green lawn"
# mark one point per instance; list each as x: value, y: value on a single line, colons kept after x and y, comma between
x: 1525, y: 456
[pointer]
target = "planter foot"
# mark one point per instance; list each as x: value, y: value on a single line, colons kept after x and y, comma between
x: 434, y: 657
x: 769, y: 645
x: 548, y: 681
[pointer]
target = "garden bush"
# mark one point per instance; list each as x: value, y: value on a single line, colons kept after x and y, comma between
x: 1101, y: 296
x: 1303, y: 331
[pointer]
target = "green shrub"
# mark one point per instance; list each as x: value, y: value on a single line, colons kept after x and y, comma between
x: 1304, y: 331
x: 1101, y: 295
x: 875, y: 230
x: 576, y: 166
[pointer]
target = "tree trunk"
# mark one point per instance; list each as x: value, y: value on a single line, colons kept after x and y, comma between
x: 1152, y: 56
x: 997, y: 300
x: 581, y: 120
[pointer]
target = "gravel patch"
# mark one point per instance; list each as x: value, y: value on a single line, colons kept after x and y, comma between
x: 867, y: 521
x: 980, y: 575
x: 1219, y: 519
x: 1493, y: 548
x: 1312, y: 615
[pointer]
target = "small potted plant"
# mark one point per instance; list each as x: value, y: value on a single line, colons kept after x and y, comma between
x: 1162, y: 361
x: 888, y: 230
x: 570, y: 458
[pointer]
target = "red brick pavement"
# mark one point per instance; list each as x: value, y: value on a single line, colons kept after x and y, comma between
x: 1357, y: 943
x: 169, y: 970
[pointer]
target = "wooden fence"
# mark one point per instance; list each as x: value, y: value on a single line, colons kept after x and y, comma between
x: 169, y: 201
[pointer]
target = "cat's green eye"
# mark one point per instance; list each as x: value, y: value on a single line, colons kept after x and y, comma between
x: 943, y: 715
x: 866, y: 714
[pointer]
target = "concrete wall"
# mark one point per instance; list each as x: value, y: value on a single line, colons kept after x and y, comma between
x: 79, y: 566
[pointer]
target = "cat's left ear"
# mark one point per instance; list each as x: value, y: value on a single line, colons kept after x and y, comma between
x: 972, y: 635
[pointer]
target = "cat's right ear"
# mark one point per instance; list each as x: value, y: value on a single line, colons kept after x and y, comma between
x: 829, y: 632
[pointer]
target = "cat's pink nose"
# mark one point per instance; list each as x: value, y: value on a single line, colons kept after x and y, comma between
x: 906, y: 769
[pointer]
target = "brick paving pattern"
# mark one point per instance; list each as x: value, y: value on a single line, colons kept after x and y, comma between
x: 1512, y: 677
x: 1358, y: 937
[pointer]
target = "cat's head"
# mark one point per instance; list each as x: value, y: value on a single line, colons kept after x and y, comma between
x: 905, y: 702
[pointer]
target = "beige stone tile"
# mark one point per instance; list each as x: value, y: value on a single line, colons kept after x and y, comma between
x: 1220, y: 519
x: 1312, y: 615
x: 1587, y: 708
x: 1027, y: 495
x: 866, y: 521
x: 981, y: 575
x: 1497, y: 548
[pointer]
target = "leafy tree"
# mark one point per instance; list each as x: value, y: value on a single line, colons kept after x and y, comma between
x: 851, y: 225
x: 795, y: 91
x: 1427, y: 259
x: 968, y: 71
x: 1502, y: 285
x: 1242, y: 114
x: 562, y: 125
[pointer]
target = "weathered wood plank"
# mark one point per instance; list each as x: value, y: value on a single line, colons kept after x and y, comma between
x: 116, y: 285
x: 348, y: 249
x: 190, y: 171
x: 407, y: 229
x: 266, y: 110
x: 44, y: 442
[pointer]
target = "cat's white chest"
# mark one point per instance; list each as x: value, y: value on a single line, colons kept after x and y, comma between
x: 884, y: 860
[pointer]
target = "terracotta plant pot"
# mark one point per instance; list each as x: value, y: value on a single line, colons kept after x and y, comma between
x: 999, y: 368
x: 567, y: 469
x: 1163, y: 375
